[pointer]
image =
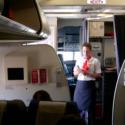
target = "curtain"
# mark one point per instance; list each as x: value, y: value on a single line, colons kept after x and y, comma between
x: 84, y: 34
x: 119, y: 30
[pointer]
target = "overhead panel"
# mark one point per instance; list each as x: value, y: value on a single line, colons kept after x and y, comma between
x: 81, y: 2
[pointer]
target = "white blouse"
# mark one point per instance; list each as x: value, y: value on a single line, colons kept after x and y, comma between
x: 94, y: 67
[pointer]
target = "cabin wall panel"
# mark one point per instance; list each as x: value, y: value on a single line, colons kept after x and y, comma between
x: 39, y: 56
x: 53, y: 27
x: 109, y: 49
x: 118, y: 110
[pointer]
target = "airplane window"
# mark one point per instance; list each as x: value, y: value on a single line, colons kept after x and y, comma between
x: 69, y: 55
x: 77, y: 55
x: 66, y: 55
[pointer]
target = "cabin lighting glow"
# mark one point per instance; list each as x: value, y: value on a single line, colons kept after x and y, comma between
x: 109, y: 16
x: 90, y: 18
x: 60, y: 15
x: 100, y: 15
x: 106, y: 10
x: 61, y: 10
x: 41, y: 33
x: 104, y: 15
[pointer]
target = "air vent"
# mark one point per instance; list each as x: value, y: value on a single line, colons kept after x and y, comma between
x: 91, y: 9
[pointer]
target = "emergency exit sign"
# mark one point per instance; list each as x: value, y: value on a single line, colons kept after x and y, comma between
x: 96, y: 1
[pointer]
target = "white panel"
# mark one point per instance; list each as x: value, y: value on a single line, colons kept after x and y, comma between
x: 39, y: 56
x: 96, y: 52
x: 118, y: 112
x: 52, y: 21
x: 16, y: 62
x: 52, y: 39
x: 109, y: 49
x: 96, y: 29
x: 25, y: 92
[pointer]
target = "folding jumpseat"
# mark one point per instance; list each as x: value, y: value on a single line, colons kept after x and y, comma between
x: 49, y: 112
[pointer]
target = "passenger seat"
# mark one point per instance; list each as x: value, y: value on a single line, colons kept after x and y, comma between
x: 49, y: 112
x: 12, y: 112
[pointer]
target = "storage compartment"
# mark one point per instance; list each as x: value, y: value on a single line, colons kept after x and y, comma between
x: 96, y: 29
x: 23, y: 20
x: 22, y: 11
x: 109, y: 31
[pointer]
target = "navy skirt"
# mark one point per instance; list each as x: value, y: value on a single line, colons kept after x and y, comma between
x: 85, y: 95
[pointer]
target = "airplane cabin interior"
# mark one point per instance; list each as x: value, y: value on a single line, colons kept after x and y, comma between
x: 40, y: 42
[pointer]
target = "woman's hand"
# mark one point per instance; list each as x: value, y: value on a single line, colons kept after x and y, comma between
x: 77, y: 72
x: 86, y: 73
x: 94, y: 75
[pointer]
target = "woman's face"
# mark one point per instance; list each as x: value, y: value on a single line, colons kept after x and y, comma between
x: 86, y: 51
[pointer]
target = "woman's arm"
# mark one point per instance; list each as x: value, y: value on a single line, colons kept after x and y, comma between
x: 113, y: 68
x: 94, y: 75
x: 77, y: 72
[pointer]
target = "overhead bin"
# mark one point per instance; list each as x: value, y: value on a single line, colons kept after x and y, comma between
x: 22, y: 20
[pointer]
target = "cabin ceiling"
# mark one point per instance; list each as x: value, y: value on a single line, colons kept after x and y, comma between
x: 90, y: 12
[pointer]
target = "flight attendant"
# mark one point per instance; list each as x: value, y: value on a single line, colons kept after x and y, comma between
x: 87, y: 68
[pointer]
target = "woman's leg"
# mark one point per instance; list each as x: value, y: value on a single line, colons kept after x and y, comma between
x: 82, y: 114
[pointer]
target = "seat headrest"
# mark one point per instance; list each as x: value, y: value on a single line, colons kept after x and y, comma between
x: 15, y: 113
x: 40, y: 111
x: 3, y: 106
x: 48, y: 113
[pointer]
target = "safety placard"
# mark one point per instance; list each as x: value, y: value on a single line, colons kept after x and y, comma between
x: 43, y: 76
x: 35, y: 76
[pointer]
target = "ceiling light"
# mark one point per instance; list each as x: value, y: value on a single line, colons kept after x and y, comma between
x: 106, y: 10
x: 104, y: 15
x: 60, y: 15
x: 93, y: 18
x: 100, y: 15
x: 61, y: 10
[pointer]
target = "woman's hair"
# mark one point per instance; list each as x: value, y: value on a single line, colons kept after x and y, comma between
x: 42, y: 95
x: 71, y: 120
x: 87, y: 45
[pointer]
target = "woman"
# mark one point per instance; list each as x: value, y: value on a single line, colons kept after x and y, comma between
x: 42, y: 95
x: 87, y: 68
